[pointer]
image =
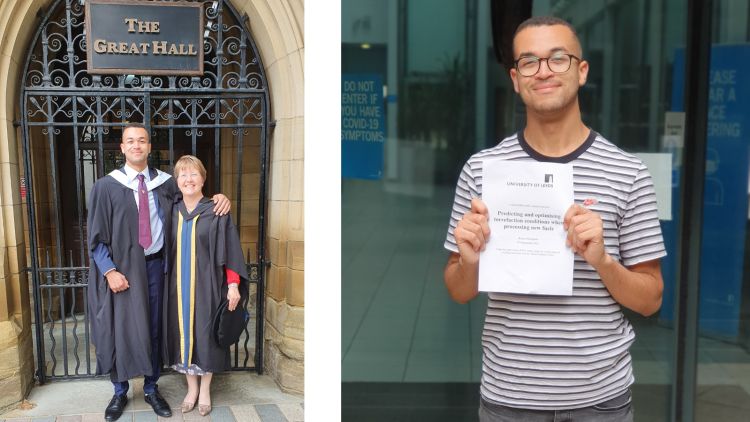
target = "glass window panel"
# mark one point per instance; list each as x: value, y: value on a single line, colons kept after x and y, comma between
x: 631, y: 49
x: 723, y: 376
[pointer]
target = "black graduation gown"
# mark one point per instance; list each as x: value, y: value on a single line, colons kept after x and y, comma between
x: 120, y: 321
x: 217, y: 245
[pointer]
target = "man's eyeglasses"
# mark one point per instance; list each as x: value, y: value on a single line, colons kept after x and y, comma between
x: 557, y: 63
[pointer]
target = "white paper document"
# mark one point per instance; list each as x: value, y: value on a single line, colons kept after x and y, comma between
x: 526, y: 251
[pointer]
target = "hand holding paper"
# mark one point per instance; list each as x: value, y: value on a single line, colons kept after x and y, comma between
x: 585, y: 234
x: 526, y: 202
x: 472, y: 232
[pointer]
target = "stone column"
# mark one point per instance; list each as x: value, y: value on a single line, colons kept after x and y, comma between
x: 277, y: 27
x: 16, y: 357
x: 17, y: 24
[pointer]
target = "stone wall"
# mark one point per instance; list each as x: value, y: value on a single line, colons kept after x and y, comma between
x: 277, y: 27
x: 16, y: 361
x: 17, y: 22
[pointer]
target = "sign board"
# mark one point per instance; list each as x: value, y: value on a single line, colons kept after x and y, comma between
x: 725, y: 196
x: 362, y: 126
x: 144, y: 37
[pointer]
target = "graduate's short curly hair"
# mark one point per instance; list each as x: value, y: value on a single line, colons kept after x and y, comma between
x: 187, y: 161
x: 544, y: 21
x: 536, y: 21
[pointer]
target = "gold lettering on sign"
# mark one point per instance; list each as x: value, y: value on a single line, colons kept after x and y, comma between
x: 131, y: 24
x: 157, y: 48
x: 135, y: 25
x: 149, y: 27
x: 160, y: 47
x: 100, y: 46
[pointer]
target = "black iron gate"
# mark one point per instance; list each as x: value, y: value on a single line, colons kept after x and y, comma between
x: 72, y: 122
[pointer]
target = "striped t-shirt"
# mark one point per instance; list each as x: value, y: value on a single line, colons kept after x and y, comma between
x: 566, y: 352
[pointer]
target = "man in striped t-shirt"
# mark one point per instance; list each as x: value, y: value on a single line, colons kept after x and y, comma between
x: 552, y: 357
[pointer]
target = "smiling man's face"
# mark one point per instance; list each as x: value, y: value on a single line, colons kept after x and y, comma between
x: 135, y: 146
x: 548, y: 92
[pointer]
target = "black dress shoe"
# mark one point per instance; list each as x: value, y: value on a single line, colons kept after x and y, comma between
x: 115, y: 407
x: 160, y: 406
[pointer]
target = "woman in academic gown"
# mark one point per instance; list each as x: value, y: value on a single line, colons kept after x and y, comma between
x: 206, y: 266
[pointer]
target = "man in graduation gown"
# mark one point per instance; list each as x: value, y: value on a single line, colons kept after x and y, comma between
x: 129, y: 217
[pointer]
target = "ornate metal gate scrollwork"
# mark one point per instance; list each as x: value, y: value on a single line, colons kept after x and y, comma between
x: 71, y: 123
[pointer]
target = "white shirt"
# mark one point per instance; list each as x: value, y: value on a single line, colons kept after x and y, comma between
x: 157, y: 228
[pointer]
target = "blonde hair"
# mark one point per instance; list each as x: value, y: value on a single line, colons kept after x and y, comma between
x: 189, y: 161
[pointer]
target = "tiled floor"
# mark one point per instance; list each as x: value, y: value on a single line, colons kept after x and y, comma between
x: 240, y: 413
x: 396, y: 313
x: 402, y: 335
x: 236, y: 396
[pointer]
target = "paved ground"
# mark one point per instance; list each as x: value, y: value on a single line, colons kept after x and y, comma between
x: 236, y: 397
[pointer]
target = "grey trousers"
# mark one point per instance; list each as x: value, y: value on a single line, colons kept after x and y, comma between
x: 618, y: 409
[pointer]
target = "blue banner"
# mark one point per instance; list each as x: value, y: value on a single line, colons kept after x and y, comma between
x: 725, y: 197
x: 362, y: 126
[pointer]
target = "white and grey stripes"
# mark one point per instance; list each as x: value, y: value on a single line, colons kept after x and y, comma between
x: 564, y: 352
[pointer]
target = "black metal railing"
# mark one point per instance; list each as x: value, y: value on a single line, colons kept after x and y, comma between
x: 67, y: 349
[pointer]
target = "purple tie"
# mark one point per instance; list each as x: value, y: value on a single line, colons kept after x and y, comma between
x: 144, y: 221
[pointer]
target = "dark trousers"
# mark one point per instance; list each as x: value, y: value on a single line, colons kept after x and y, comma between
x: 618, y: 409
x: 155, y: 272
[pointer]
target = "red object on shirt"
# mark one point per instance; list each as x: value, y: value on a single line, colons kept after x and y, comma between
x: 232, y: 277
